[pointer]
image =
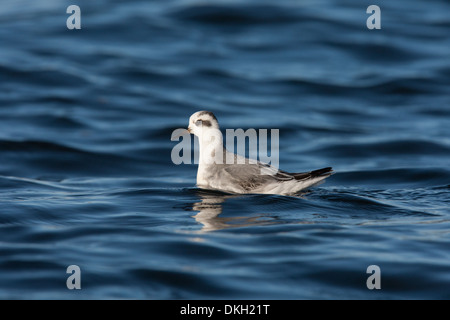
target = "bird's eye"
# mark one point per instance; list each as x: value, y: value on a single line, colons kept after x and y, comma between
x: 198, y: 123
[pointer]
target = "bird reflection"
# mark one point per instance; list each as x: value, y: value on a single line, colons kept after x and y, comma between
x: 211, y: 206
x: 209, y: 209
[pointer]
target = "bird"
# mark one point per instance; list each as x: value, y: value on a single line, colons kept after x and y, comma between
x: 242, y: 175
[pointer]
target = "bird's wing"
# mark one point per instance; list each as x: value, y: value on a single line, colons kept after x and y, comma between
x: 252, y: 176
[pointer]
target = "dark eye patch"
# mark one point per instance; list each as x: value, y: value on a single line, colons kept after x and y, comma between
x: 203, y: 123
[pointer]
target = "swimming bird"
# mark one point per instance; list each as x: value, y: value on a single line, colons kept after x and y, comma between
x: 225, y: 171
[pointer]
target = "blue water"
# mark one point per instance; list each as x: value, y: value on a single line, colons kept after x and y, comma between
x: 86, y: 176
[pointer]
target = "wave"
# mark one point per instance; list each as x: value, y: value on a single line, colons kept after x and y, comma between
x: 390, y: 178
x: 29, y: 158
x: 234, y: 14
x: 403, y: 148
x: 41, y: 77
x: 368, y: 87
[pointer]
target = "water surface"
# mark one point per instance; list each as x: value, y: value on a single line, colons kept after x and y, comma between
x: 86, y: 176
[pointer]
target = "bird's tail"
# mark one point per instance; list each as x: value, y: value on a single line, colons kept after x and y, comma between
x: 322, y: 173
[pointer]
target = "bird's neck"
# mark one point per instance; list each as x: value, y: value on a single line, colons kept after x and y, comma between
x: 211, y: 147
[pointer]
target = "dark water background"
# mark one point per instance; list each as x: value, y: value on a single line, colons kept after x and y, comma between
x: 86, y: 176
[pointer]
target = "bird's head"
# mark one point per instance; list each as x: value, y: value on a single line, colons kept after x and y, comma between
x: 201, y: 121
